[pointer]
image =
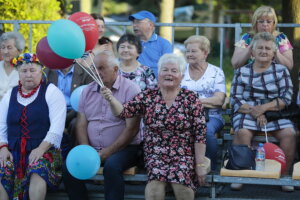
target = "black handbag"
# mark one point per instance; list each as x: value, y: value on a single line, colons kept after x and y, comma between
x: 240, y: 157
x: 290, y: 112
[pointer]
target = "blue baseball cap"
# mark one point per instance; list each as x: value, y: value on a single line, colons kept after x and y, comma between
x: 142, y: 15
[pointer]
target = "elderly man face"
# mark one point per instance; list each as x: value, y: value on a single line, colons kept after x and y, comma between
x: 142, y: 28
x: 107, y: 70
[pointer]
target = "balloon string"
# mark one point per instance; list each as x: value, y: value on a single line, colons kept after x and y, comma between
x: 92, y: 71
x: 88, y: 72
x: 266, y: 134
x: 93, y: 64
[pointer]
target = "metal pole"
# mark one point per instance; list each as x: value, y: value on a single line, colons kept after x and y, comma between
x: 221, y: 46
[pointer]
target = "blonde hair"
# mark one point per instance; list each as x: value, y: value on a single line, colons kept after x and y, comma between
x: 264, y: 11
x: 204, y: 43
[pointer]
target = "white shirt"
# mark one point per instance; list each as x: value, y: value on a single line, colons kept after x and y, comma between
x: 57, y: 114
x: 7, y: 81
x: 213, y: 80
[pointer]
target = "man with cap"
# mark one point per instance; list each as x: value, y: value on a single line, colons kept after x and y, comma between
x: 154, y: 46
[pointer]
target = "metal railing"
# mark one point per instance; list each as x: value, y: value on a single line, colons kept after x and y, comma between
x: 221, y: 27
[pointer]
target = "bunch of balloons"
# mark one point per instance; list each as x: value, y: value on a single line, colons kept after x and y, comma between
x: 67, y: 39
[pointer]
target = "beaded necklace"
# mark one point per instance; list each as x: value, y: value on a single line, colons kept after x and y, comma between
x: 30, y: 93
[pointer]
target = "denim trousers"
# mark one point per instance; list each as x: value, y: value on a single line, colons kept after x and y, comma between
x: 113, y: 176
x: 214, y: 125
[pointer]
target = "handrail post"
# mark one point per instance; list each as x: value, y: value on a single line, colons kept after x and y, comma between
x: 237, y: 31
x: 173, y: 37
x: 16, y: 26
x: 30, y: 37
x: 221, y: 46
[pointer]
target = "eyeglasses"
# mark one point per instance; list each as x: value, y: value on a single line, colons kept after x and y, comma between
x: 265, y: 21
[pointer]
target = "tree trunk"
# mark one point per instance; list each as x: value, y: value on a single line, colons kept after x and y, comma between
x: 291, y: 14
x: 166, y: 16
x: 86, y: 6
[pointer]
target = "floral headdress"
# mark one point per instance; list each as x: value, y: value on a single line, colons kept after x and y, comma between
x: 25, y: 58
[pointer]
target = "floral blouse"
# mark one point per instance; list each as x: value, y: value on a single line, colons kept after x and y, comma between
x: 143, y: 76
x: 170, y: 134
x: 282, y: 42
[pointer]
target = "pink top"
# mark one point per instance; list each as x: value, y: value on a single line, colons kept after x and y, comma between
x: 103, y: 127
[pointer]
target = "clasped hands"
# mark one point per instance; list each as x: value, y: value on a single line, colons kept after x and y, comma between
x: 257, y: 112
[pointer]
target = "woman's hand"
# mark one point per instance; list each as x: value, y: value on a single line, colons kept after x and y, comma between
x: 201, y: 174
x: 257, y: 111
x: 35, y: 155
x: 261, y: 120
x: 106, y: 93
x: 4, y: 156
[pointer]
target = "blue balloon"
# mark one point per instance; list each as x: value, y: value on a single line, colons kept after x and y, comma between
x: 66, y: 39
x: 75, y: 97
x: 83, y: 162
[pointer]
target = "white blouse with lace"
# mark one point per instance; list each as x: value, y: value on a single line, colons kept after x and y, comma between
x: 57, y: 114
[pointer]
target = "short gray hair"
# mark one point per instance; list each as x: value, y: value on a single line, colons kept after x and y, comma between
x: 266, y: 36
x: 112, y: 61
x: 172, y: 58
x: 17, y: 37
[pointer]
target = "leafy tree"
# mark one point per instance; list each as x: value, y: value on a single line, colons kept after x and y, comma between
x: 292, y: 15
x: 30, y: 10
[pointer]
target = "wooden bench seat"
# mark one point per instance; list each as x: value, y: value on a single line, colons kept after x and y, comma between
x: 272, y: 170
x: 296, y: 171
x: 130, y: 171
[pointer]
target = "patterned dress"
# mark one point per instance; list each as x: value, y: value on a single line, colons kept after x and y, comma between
x: 170, y: 134
x: 282, y: 42
x: 250, y: 87
x: 143, y: 76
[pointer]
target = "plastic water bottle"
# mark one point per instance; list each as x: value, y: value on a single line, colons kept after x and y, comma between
x: 260, y: 157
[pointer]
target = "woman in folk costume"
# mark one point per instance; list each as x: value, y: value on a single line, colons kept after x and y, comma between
x: 32, y: 120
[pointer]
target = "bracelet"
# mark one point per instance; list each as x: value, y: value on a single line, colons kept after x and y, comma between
x: 201, y: 165
x: 4, y: 145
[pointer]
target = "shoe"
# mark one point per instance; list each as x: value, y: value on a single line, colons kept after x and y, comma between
x: 236, y: 186
x: 287, y: 188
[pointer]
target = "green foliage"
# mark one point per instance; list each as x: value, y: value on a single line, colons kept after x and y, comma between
x: 30, y: 10
x: 110, y: 7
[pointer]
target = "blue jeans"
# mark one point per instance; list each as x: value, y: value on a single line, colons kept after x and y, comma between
x: 113, y: 176
x: 214, y: 125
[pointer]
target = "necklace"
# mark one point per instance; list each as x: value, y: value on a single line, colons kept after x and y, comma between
x: 30, y: 93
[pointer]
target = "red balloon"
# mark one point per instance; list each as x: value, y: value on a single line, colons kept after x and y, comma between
x: 89, y: 27
x: 273, y: 152
x: 50, y: 59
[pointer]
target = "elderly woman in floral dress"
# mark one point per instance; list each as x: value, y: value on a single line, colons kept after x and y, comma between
x: 175, y: 128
